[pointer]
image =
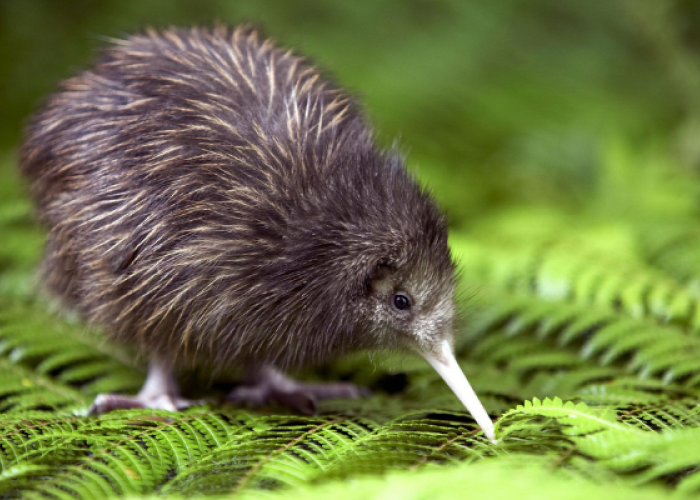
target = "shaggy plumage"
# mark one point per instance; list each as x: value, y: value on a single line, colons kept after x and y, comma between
x: 214, y: 200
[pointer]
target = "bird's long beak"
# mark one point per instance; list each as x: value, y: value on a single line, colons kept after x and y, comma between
x: 446, y: 365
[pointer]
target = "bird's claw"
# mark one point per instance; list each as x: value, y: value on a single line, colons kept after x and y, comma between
x: 105, y: 403
x: 289, y: 393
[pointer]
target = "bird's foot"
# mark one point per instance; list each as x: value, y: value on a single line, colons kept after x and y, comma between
x: 159, y: 392
x: 105, y: 403
x: 270, y: 385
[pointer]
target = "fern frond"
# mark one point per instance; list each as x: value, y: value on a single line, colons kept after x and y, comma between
x: 599, y: 435
x: 45, y: 364
x: 557, y: 270
x: 273, y: 453
x: 506, y: 476
x: 674, y: 248
x: 117, y: 454
x: 668, y: 414
x: 637, y: 346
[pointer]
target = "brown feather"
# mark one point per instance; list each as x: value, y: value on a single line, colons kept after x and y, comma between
x: 213, y: 199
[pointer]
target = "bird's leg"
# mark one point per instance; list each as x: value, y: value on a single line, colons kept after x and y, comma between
x: 159, y: 392
x: 268, y: 384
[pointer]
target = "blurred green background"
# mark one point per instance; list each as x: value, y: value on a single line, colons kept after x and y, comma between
x: 496, y: 103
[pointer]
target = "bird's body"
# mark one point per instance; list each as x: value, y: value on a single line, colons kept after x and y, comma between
x: 213, y: 200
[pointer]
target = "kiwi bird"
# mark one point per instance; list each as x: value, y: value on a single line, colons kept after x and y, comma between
x: 213, y: 200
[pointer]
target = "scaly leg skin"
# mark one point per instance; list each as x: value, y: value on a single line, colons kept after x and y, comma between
x: 159, y: 392
x: 270, y: 385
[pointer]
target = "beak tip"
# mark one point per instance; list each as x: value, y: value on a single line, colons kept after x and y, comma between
x: 446, y: 365
x: 490, y: 435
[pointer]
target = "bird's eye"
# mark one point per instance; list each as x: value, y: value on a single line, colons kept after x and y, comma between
x: 401, y: 301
